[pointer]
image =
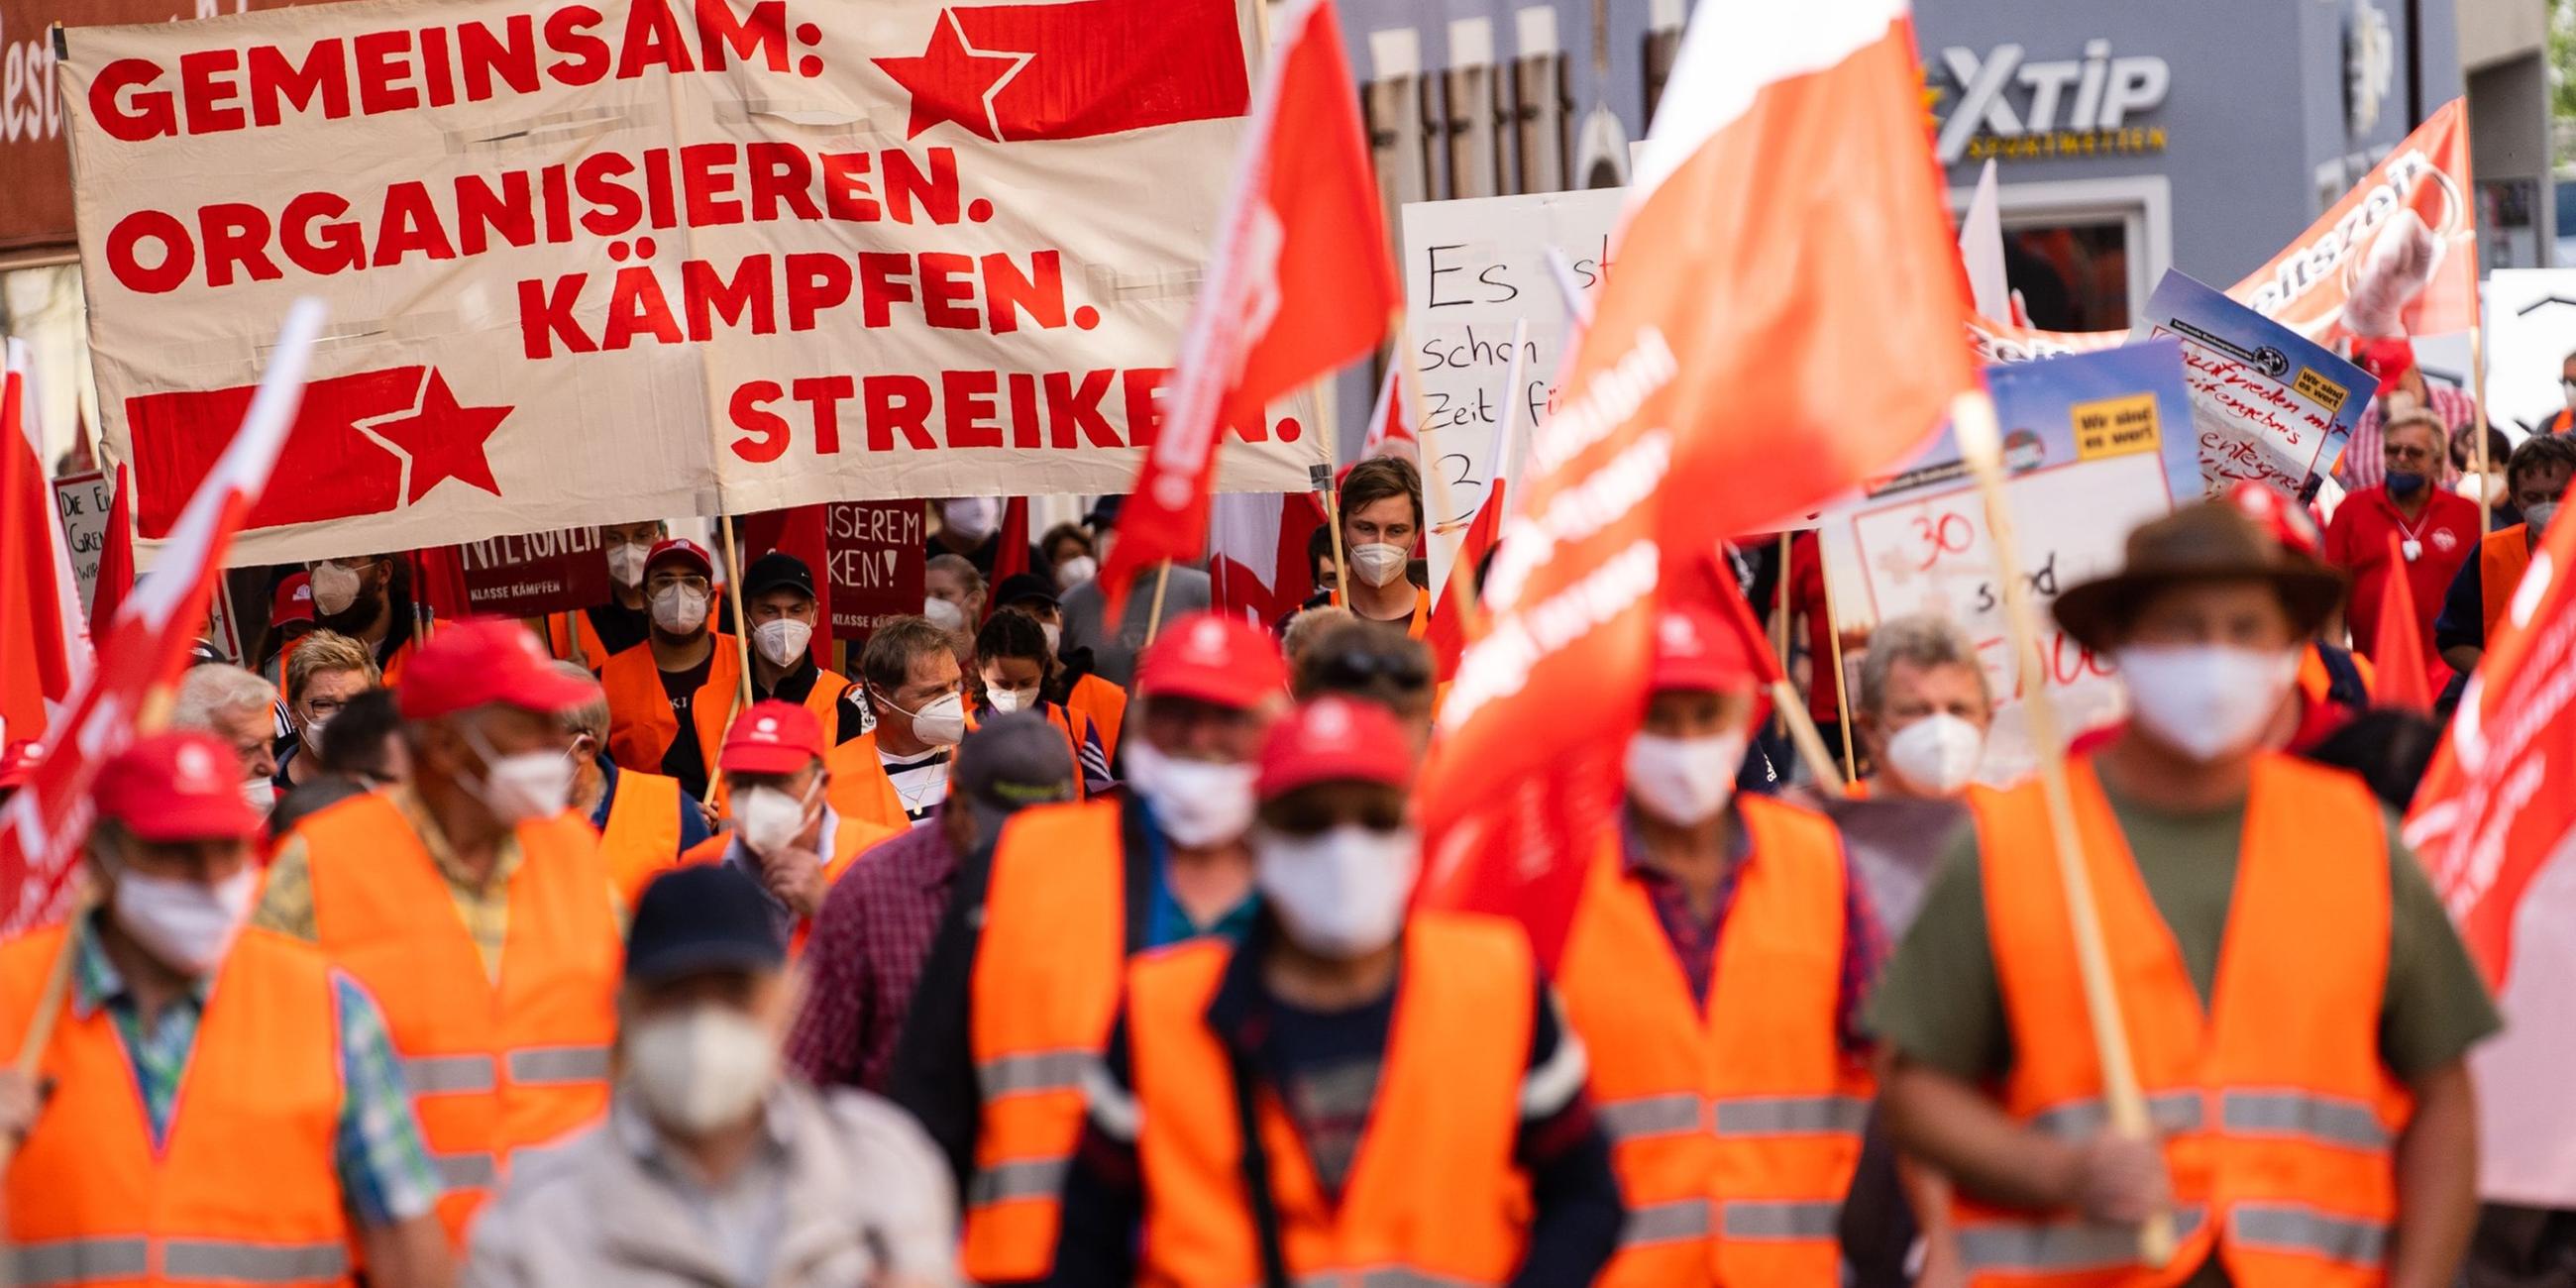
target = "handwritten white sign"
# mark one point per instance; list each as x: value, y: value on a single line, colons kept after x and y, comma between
x: 2267, y: 403
x: 82, y: 501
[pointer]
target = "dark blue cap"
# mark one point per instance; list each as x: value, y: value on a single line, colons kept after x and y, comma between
x: 703, y: 917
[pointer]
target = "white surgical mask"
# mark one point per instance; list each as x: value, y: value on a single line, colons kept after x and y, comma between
x: 334, y: 588
x: 1054, y: 637
x: 1075, y: 571
x: 769, y: 820
x: 185, y: 925
x: 782, y: 641
x: 2206, y: 700
x: 1199, y: 803
x: 626, y: 562
x: 1378, y: 563
x: 1683, y: 781
x: 941, y: 723
x: 701, y: 1068
x: 679, y: 610
x: 1937, y: 754
x: 310, y: 732
x: 1340, y: 893
x: 972, y: 517
x: 944, y: 614
x: 522, y: 788
x: 260, y: 794
x: 1006, y: 701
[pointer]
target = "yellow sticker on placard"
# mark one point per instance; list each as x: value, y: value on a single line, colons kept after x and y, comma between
x: 2115, y: 426
x: 2319, y: 390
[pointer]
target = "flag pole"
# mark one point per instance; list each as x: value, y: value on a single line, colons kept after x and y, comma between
x: 1834, y: 646
x: 1331, y: 487
x: 1471, y: 614
x: 741, y: 637
x: 1786, y: 705
x: 2478, y: 413
x: 1162, y: 582
x: 1972, y: 417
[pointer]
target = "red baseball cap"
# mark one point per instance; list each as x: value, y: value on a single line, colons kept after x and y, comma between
x: 18, y: 763
x: 1334, y: 739
x: 481, y: 661
x: 1698, y: 650
x: 294, y: 601
x: 178, y: 785
x: 2285, y: 520
x: 773, y: 737
x: 680, y: 548
x: 1223, y: 660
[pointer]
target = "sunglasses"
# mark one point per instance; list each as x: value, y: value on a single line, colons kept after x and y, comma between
x: 1355, y: 667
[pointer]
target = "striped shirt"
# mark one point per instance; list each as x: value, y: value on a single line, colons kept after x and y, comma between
x: 386, y: 1176
x: 921, y: 781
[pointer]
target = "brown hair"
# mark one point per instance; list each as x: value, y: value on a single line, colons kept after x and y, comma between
x: 886, y: 662
x: 1378, y: 478
x: 2540, y: 451
x: 324, y: 651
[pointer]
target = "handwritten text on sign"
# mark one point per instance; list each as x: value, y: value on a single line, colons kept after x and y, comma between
x: 2266, y: 403
x: 82, y: 501
x: 696, y: 255
x: 878, y: 562
x: 1473, y: 268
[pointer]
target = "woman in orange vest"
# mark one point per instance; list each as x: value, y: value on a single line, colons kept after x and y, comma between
x: 2297, y: 1004
x: 1353, y: 1095
x: 1015, y: 671
x: 670, y: 697
x: 1070, y: 681
x: 1715, y: 968
x: 197, y: 1064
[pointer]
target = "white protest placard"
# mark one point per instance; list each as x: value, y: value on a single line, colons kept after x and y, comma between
x: 2531, y: 330
x: 81, y: 501
x: 2094, y: 445
x: 1473, y: 268
x: 590, y: 263
x: 2267, y: 403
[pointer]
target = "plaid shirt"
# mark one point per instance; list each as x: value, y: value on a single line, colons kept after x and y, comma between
x: 2363, y: 465
x: 386, y: 1175
x: 866, y: 956
x: 1694, y: 939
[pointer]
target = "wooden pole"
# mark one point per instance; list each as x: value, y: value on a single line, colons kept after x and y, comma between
x: 1162, y: 582
x: 1780, y: 634
x: 2478, y: 418
x: 572, y: 639
x: 1842, y: 685
x: 741, y: 641
x: 1332, y: 489
x: 1972, y: 416
x: 1471, y: 615
x: 1802, y: 732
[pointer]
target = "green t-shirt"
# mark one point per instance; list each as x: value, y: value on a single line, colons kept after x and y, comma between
x: 1940, y: 1002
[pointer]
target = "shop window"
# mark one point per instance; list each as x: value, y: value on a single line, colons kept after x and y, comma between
x: 2072, y: 275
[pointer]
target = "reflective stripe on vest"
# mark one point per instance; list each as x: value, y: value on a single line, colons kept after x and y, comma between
x: 2042, y: 1247
x: 1680, y: 1221
x: 1381, y: 1277
x: 1778, y: 1219
x: 2171, y: 1111
x: 2321, y: 1119
x: 252, y: 1262
x: 1016, y: 1075
x: 1671, y: 1115
x: 2290, y: 1227
x: 554, y: 1066
x: 432, y: 1075
x: 1026, y: 1178
x: 80, y: 1261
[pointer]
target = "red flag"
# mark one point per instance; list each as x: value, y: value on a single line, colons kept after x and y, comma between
x: 438, y: 580
x: 1390, y: 431
x: 1447, y: 634
x: 1012, y: 556
x: 1299, y: 283
x: 36, y: 655
x: 2404, y: 679
x: 802, y: 531
x: 2499, y: 802
x: 1789, y: 175
x: 116, y: 561
x: 146, y: 646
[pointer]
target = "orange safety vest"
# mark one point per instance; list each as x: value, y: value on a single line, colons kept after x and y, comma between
x: 495, y: 1069
x: 244, y: 1188
x: 1432, y: 1196
x: 1735, y: 1130
x: 642, y: 839
x: 852, y: 838
x: 2278, y: 1112
x: 1104, y: 703
x: 1416, y: 626
x: 860, y: 788
x: 2316, y: 683
x: 2502, y: 555
x: 640, y: 724
x: 1076, y: 728
x: 594, y: 650
x: 1045, y: 990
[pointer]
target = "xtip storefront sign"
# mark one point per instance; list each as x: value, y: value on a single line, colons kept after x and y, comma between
x: 2003, y: 104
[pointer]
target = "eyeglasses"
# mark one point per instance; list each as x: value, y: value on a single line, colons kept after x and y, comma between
x: 684, y: 580
x: 2399, y: 452
x: 1359, y: 668
x: 358, y: 564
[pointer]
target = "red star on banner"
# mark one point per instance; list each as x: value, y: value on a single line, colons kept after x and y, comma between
x: 443, y: 440
x: 953, y: 81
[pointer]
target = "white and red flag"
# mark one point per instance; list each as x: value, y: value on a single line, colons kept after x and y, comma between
x: 145, y: 648
x: 1788, y: 178
x: 44, y: 639
x: 1299, y: 283
x: 1390, y: 427
x: 1258, y: 567
x: 2495, y: 824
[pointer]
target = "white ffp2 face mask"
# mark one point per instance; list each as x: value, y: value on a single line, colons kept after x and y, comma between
x: 334, y: 588
x: 185, y: 925
x: 260, y: 794
x: 972, y: 517
x: 769, y: 819
x: 1683, y: 781
x: 1075, y: 571
x: 1199, y: 803
x: 521, y: 788
x: 1936, y: 755
x: 701, y: 1068
x: 1378, y: 563
x: 2207, y: 701
x: 1339, y: 893
x: 782, y: 641
x: 1006, y: 701
x: 626, y: 562
x: 679, y: 610
x: 939, y: 723
x: 944, y: 614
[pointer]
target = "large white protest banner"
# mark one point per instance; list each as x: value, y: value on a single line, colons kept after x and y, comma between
x: 600, y: 261
x: 2267, y: 403
x: 2094, y: 445
x: 1473, y: 268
